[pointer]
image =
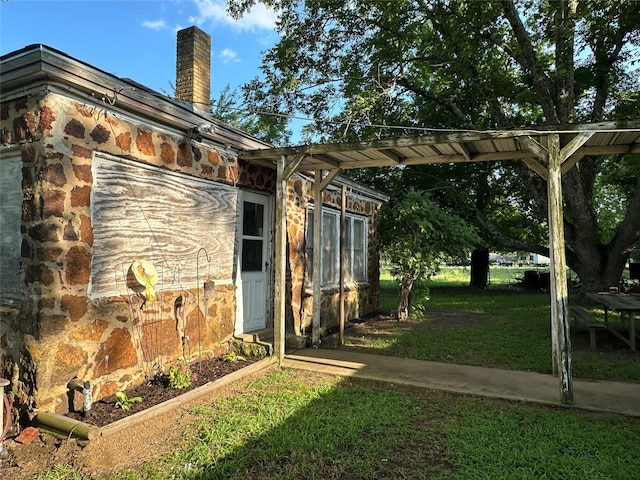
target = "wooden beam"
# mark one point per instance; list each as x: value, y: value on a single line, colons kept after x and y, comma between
x: 373, y: 162
x: 279, y: 290
x: 436, y: 159
x: 293, y: 165
x: 329, y: 178
x: 535, y: 165
x: 433, y: 159
x: 384, y: 144
x: 328, y: 161
x: 391, y: 154
x: 535, y: 147
x: 448, y: 137
x: 598, y: 150
x: 568, y: 154
x: 317, y: 249
x: 573, y: 146
x: 561, y: 344
x: 571, y: 162
x: 464, y: 150
x: 459, y: 158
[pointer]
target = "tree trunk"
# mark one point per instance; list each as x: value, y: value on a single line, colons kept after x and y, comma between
x: 404, y: 297
x: 479, y: 268
x: 598, y: 265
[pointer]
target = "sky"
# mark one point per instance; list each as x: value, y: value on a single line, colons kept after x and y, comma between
x: 137, y: 39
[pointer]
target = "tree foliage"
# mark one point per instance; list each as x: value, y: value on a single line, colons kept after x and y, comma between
x: 417, y: 235
x: 228, y: 108
x: 379, y: 68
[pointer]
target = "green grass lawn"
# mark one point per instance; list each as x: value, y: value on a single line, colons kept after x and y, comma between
x: 291, y: 425
x: 515, y: 331
x: 460, y: 276
x: 498, y: 276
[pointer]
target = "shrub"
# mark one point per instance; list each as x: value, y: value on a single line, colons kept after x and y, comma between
x: 180, y: 375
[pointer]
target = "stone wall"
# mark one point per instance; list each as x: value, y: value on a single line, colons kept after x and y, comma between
x: 57, y: 332
x: 361, y: 298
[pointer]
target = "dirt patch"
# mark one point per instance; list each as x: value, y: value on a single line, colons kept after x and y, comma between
x: 157, y: 390
x: 130, y: 446
x: 383, y: 325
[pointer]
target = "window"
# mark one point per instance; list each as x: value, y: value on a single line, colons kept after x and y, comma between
x: 355, y: 248
x: 252, y: 237
x: 184, y: 225
x: 10, y: 223
x: 330, y: 256
x: 359, y: 252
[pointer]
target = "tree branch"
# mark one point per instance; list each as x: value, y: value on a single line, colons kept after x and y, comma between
x: 629, y: 232
x: 499, y: 117
x: 426, y: 94
x: 603, y: 67
x: 507, y: 241
x: 529, y: 61
x: 564, y: 37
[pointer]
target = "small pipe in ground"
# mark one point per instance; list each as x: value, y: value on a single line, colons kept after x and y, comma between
x: 67, y: 425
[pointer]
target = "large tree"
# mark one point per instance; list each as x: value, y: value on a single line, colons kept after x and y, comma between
x: 377, y: 68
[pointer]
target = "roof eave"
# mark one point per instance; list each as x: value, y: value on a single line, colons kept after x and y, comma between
x: 42, y: 64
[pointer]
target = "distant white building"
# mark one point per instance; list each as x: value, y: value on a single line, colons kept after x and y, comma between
x: 538, y: 259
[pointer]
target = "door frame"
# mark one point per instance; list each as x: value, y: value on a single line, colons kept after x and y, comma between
x: 247, y: 195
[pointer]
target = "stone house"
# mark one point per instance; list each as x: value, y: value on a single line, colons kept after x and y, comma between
x: 100, y: 176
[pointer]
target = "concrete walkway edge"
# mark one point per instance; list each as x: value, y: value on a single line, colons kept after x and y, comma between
x: 602, y: 396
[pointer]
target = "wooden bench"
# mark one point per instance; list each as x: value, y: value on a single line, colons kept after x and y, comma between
x: 589, y: 320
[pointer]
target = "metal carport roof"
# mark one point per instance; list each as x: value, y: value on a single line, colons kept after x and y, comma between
x: 605, y: 138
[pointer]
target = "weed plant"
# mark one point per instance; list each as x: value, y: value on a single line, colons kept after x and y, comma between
x: 124, y: 402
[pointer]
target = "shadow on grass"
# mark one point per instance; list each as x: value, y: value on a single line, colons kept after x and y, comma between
x: 499, y: 328
x: 298, y: 425
x: 283, y: 428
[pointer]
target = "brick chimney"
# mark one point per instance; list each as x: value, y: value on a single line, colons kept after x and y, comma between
x: 193, y: 68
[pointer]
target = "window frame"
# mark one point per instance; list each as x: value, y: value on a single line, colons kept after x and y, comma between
x: 12, y: 197
x: 352, y: 275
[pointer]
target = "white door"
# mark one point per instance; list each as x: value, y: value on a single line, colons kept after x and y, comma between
x: 254, y: 259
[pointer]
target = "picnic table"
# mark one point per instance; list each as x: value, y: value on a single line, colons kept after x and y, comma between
x: 627, y: 305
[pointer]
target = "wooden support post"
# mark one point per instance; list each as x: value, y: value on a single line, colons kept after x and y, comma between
x: 558, y: 284
x: 281, y: 261
x: 317, y: 250
x: 343, y: 214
